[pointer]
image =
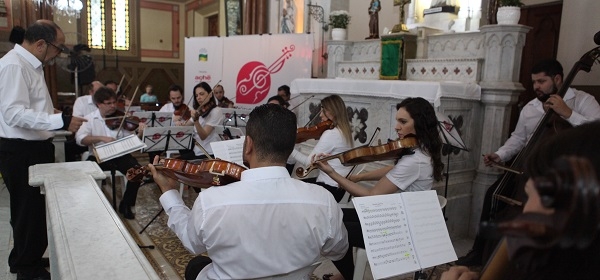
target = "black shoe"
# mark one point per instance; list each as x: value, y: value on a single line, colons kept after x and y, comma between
x: 126, y: 211
x: 473, y: 258
x: 327, y: 276
x: 45, y: 263
x: 35, y: 274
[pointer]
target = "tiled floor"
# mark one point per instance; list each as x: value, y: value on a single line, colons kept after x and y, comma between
x: 461, y: 246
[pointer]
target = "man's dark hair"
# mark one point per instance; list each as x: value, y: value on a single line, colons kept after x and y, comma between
x: 286, y: 89
x: 549, y: 66
x: 42, y: 30
x: 103, y: 94
x: 273, y: 130
x: 110, y: 82
x: 17, y: 35
x: 176, y: 88
x: 279, y: 99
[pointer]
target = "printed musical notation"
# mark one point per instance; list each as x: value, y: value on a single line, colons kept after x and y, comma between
x: 403, y: 232
x: 118, y: 148
x: 229, y: 150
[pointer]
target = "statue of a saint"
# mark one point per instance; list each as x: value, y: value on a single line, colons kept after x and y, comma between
x: 374, y: 9
x: 287, y: 17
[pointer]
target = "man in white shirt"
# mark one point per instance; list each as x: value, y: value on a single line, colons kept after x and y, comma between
x: 176, y: 98
x: 95, y: 131
x: 267, y: 223
x: 85, y: 104
x: 576, y: 108
x: 27, y: 118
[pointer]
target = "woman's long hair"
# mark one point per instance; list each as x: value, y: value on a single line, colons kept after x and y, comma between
x: 426, y: 127
x: 206, y: 87
x: 336, y: 106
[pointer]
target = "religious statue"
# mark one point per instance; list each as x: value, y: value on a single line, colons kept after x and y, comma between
x: 287, y: 17
x: 374, y: 9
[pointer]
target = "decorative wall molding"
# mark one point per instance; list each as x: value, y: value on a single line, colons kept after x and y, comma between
x: 463, y: 70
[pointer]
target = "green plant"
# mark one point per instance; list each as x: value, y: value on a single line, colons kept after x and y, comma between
x: 339, y: 19
x: 510, y: 3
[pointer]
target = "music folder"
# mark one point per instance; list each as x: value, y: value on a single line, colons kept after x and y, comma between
x: 168, y: 138
x: 229, y: 150
x: 117, y: 148
x: 403, y: 232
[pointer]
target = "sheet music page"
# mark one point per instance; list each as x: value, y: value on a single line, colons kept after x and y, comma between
x: 386, y: 233
x: 428, y: 228
x: 229, y: 150
x: 117, y: 148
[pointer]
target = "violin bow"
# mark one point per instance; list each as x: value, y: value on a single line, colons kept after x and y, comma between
x: 306, y: 99
x: 500, y: 166
x: 203, y: 150
x: 377, y: 130
x: 126, y: 111
x: 120, y: 83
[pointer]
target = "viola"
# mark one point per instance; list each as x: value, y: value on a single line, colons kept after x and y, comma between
x: 391, y: 150
x: 130, y: 123
x: 312, y: 132
x: 183, y: 112
x: 198, y: 173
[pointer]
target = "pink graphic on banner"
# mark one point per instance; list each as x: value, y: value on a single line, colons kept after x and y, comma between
x: 254, y: 78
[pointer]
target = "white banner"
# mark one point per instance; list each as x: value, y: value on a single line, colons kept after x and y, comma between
x: 250, y: 68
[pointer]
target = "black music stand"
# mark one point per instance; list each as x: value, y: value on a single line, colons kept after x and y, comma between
x: 163, y: 139
x: 452, y: 144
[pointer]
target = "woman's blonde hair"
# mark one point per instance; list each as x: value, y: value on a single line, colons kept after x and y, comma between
x: 336, y: 106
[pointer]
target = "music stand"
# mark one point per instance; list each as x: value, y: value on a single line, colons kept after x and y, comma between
x: 235, y: 117
x: 155, y: 119
x: 229, y: 132
x: 452, y: 143
x: 163, y: 139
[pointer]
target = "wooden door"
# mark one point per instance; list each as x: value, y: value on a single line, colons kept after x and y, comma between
x: 213, y: 25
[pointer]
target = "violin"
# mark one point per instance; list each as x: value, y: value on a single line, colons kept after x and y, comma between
x: 197, y: 173
x: 391, y: 150
x: 225, y: 103
x: 130, y: 123
x: 183, y: 112
x: 312, y: 132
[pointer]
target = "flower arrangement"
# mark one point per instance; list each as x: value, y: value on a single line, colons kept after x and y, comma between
x: 339, y: 19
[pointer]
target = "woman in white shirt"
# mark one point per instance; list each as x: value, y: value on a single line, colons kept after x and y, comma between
x: 332, y: 141
x: 206, y: 116
x: 412, y: 172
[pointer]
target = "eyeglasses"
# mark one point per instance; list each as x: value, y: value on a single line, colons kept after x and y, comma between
x: 61, y: 49
x: 110, y: 103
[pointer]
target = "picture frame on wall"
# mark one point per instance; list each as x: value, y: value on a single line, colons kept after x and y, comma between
x: 5, y: 15
x: 233, y: 17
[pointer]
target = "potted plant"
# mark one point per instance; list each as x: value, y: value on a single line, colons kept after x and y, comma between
x: 339, y: 21
x: 509, y: 11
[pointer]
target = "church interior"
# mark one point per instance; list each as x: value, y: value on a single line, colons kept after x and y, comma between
x: 475, y: 71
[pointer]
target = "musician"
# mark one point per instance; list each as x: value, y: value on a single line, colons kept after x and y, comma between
x: 284, y: 92
x: 112, y: 85
x: 206, y: 116
x: 222, y: 101
x: 27, y: 119
x: 95, y: 131
x: 278, y: 100
x: 85, y: 104
x: 267, y: 223
x: 332, y: 141
x: 413, y: 172
x: 577, y: 107
x: 563, y: 260
x: 176, y: 98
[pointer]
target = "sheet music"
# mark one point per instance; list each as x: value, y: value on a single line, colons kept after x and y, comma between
x: 387, y: 238
x: 403, y: 232
x: 428, y: 228
x: 117, y: 148
x: 229, y: 150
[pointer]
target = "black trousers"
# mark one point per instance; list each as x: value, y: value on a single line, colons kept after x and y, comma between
x: 195, y: 266
x: 355, y: 239
x: 27, y: 205
x: 123, y: 163
x: 338, y: 193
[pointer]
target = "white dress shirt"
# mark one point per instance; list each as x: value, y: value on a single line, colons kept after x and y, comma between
x: 412, y: 172
x: 96, y: 126
x: 84, y: 105
x: 266, y: 224
x: 167, y: 108
x: 585, y: 109
x: 26, y: 109
x: 215, y: 118
x: 332, y: 142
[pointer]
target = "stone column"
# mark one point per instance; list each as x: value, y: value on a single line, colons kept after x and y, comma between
x: 500, y: 89
x: 337, y: 51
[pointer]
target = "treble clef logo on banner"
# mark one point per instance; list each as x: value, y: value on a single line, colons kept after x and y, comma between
x: 254, y: 78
